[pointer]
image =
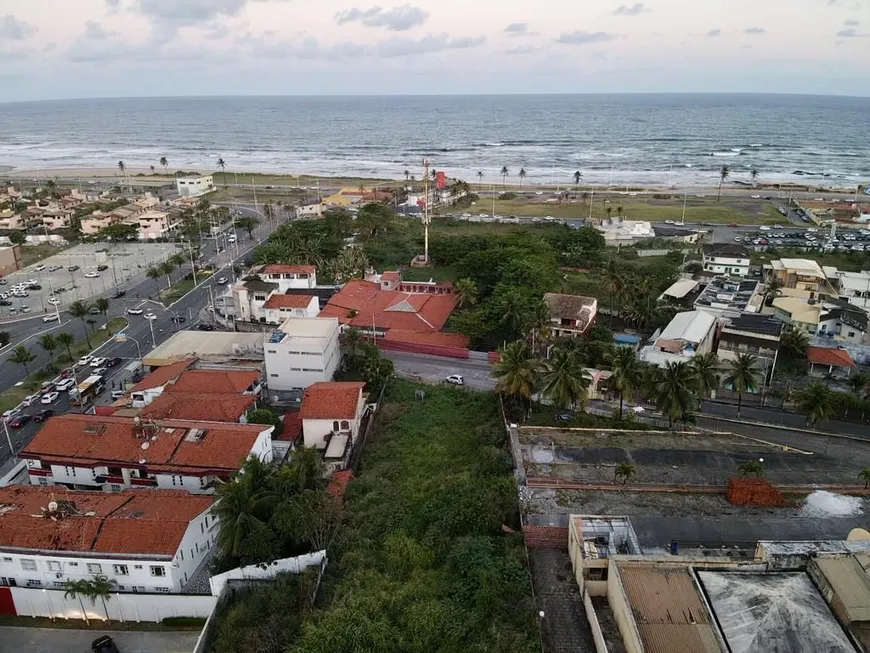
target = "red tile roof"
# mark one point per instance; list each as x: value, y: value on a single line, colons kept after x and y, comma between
x: 136, y: 522
x: 291, y: 427
x: 214, y: 381
x: 163, y: 375
x: 289, y: 269
x: 199, y: 407
x: 829, y: 356
x: 331, y: 400
x: 438, y: 338
x: 288, y: 301
x: 339, y: 482
x: 391, y: 276
x: 389, y: 309
x: 91, y: 440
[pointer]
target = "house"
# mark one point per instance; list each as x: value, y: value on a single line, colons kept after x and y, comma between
x: 676, y: 234
x: 154, y: 224
x: 754, y: 334
x: 825, y: 360
x: 194, y: 186
x: 726, y: 258
x: 97, y: 221
x: 688, y: 334
x: 110, y: 453
x: 249, y: 298
x: 147, y: 202
x: 679, y: 290
x: 302, y: 351
x: 10, y: 259
x: 213, y: 348
x: 843, y: 322
x: 802, y: 278
x: 205, y: 407
x: 798, y: 313
x: 279, y: 307
x: 56, y: 218
x: 177, y: 380
x: 288, y: 277
x: 729, y: 297
x: 314, y: 210
x: 145, y: 541
x: 854, y: 287
x: 618, y: 231
x: 11, y: 221
x: 331, y: 409
x: 570, y: 315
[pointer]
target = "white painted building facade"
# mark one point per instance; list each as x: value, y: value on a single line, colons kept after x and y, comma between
x: 302, y: 351
x: 194, y: 186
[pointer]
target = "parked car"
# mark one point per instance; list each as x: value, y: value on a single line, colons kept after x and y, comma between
x: 73, y: 268
x: 21, y: 420
x: 117, y: 294
x: 134, y: 311
x: 94, y: 311
x: 43, y: 415
x: 53, y: 301
x: 206, y: 327
x: 101, y: 268
x: 455, y: 379
x: 178, y: 319
x: 564, y: 417
x: 49, y: 397
x: 91, y: 275
x: 54, y: 268
x: 104, y: 644
x: 40, y: 267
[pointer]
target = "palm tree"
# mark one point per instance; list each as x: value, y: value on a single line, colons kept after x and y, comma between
x: 753, y: 175
x: 154, y: 273
x: 466, y: 293
x: 516, y: 373
x: 562, y: 379
x: 795, y: 342
x: 122, y: 168
x: 352, y: 338
x: 772, y: 288
x: 21, y: 355
x: 165, y: 163
x: 624, y: 471
x: 675, y: 391
x: 76, y: 589
x: 724, y: 173
x: 511, y: 309
x: 538, y: 323
x: 152, y: 169
x: 704, y: 368
x: 608, y: 211
x: 65, y: 340
x: 864, y: 475
x: 751, y: 467
x: 222, y: 165
x: 627, y: 373
x: 48, y: 342
x: 407, y: 175
x: 577, y: 177
x: 479, y: 179
x: 613, y: 284
x: 522, y: 175
x: 81, y: 310
x: 619, y: 211
x: 860, y: 384
x: 167, y: 268
x: 237, y: 510
x: 741, y: 377
x: 102, y: 305
x: 100, y: 587
x: 504, y: 174
x: 816, y: 400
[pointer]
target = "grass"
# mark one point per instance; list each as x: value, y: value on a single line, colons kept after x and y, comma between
x: 177, y: 290
x: 31, y: 254
x: 7, y: 620
x: 439, y: 273
x: 697, y: 210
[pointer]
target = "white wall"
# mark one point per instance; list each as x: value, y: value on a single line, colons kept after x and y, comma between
x: 726, y: 265
x: 121, y: 607
x: 278, y: 315
x: 287, y: 368
x: 292, y: 565
x: 295, y: 281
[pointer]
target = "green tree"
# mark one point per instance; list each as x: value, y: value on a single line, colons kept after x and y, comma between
x: 77, y: 589
x: 522, y: 175
x: 17, y: 237
x: 66, y: 341
x: 516, y: 373
x: 466, y: 293
x: 624, y: 471
x: 267, y: 417
x: 81, y: 309
x: 241, y: 509
x: 562, y: 379
x: 864, y: 475
x: 4, y: 338
x: 165, y: 163
x: 21, y: 355
x: 741, y: 377
x: 859, y: 383
x: 704, y: 367
x: 753, y: 175
x: 627, y: 373
x: 504, y: 174
x: 751, y: 467
x: 154, y: 273
x: 100, y: 587
x: 376, y: 371
x: 817, y: 401
x: 674, y: 391
x: 248, y: 224
x: 102, y: 305
x: 352, y: 340
x: 120, y: 231
x: 48, y: 342
x: 724, y: 173
x: 479, y: 179
x: 310, y: 518
x: 772, y: 289
x: 167, y: 268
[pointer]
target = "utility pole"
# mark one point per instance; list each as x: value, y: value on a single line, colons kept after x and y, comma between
x: 426, y: 216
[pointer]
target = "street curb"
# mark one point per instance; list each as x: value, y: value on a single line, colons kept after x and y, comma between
x: 782, y: 427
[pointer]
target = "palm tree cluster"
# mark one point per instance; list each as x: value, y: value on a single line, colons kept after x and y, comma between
x: 633, y: 297
x: 98, y: 587
x: 364, y: 360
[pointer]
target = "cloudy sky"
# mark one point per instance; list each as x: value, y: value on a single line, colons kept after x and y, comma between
x: 112, y: 48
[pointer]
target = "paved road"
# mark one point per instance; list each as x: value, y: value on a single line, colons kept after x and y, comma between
x: 434, y: 369
x: 49, y: 640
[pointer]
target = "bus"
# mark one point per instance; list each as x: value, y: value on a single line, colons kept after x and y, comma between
x: 88, y: 390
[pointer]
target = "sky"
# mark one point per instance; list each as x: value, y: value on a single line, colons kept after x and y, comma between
x: 56, y: 49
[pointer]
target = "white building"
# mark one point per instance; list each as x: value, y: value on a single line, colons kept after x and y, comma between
x: 280, y: 307
x: 194, y: 186
x: 854, y: 287
x: 145, y: 541
x: 725, y: 258
x: 288, y: 277
x: 309, y: 210
x: 250, y: 297
x: 301, y: 352
x: 331, y: 409
x: 617, y: 231
x: 688, y: 334
x: 154, y: 224
x: 95, y: 452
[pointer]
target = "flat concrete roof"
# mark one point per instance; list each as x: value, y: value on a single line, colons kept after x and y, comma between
x: 206, y: 344
x: 309, y: 327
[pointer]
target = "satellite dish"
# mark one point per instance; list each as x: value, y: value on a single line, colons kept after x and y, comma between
x: 141, y: 461
x: 52, y: 506
x: 858, y: 534
x: 145, y: 445
x: 136, y: 420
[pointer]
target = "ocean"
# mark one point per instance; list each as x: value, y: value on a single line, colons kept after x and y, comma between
x: 652, y: 140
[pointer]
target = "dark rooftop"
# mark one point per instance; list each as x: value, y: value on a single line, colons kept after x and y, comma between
x: 753, y: 323
x: 726, y: 249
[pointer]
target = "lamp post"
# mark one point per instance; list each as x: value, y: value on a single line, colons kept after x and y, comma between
x: 123, y: 337
x: 8, y: 439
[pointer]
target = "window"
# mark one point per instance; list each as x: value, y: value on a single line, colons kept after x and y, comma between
x: 54, y: 565
x: 33, y: 582
x: 95, y: 568
x: 58, y: 585
x: 121, y: 570
x: 6, y: 559
x: 165, y: 590
x: 158, y: 571
x: 345, y: 425
x: 137, y: 566
x: 137, y: 588
x: 335, y: 426
x: 274, y: 375
x: 28, y: 565
x: 43, y: 480
x: 273, y: 351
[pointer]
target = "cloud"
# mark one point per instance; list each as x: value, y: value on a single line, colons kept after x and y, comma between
x: 401, y: 47
x: 113, y: 5
x: 715, y: 32
x: 15, y: 30
x: 852, y: 23
x: 311, y: 49
x: 851, y: 33
x: 523, y: 49
x: 96, y: 32
x: 583, y: 38
x: 516, y: 29
x: 397, y: 19
x: 633, y: 10
x: 754, y: 31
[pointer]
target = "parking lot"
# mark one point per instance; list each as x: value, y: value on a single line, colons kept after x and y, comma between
x: 49, y: 640
x: 72, y: 274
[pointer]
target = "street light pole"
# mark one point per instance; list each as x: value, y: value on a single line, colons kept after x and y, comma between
x: 8, y: 439
x: 153, y: 341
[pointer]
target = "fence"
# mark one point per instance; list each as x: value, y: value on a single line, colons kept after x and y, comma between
x: 421, y: 348
x: 260, y: 572
x: 118, y: 607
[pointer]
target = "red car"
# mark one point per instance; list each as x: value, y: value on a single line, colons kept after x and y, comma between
x: 20, y: 421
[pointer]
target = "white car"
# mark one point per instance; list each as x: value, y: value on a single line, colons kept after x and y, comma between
x: 92, y: 275
x: 54, y: 301
x: 24, y: 308
x: 49, y: 397
x: 222, y: 280
x: 755, y: 197
x: 85, y: 360
x: 29, y: 400
x: 134, y: 311
x: 11, y: 413
x: 50, y: 318
x: 99, y: 371
x: 40, y: 267
x: 765, y: 228
x: 150, y: 316
x: 455, y: 379
x: 65, y: 385
x: 97, y: 362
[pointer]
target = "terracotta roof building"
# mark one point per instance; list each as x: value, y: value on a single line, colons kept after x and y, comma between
x: 331, y: 408
x: 181, y: 381
x: 163, y: 375
x: 826, y: 360
x: 146, y: 541
x: 571, y: 315
x: 113, y: 453
x: 199, y: 407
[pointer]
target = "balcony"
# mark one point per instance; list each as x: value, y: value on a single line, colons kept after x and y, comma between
x: 143, y: 482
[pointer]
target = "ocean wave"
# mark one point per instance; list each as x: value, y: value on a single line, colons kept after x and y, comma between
x: 728, y: 153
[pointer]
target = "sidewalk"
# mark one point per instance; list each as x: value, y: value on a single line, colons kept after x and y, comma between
x: 567, y: 484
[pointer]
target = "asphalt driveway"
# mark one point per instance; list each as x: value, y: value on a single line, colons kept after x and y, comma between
x: 49, y: 640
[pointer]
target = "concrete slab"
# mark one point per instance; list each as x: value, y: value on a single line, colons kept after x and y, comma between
x: 49, y: 640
